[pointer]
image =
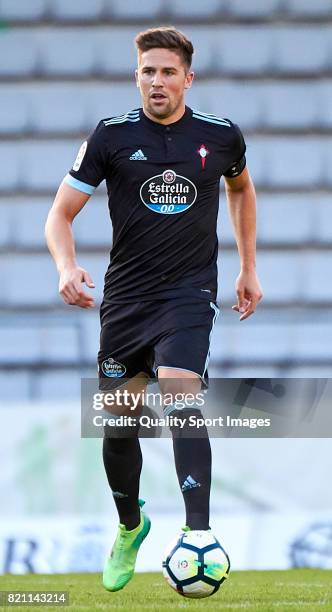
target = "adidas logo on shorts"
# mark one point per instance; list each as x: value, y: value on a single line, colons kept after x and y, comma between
x: 138, y: 156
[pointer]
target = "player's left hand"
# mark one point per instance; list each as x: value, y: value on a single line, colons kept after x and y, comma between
x: 249, y: 293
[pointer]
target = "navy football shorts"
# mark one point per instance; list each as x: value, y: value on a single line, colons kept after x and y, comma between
x: 141, y: 337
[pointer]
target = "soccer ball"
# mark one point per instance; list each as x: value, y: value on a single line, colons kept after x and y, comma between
x: 195, y: 564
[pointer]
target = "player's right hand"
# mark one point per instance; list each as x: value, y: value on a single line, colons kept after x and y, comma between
x: 70, y: 287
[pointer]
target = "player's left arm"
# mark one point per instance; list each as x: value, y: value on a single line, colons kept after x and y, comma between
x: 241, y: 199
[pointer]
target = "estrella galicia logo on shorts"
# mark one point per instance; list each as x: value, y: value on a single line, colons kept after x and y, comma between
x: 112, y: 368
x: 168, y: 193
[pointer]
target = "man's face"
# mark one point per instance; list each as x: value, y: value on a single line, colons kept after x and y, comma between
x: 162, y: 78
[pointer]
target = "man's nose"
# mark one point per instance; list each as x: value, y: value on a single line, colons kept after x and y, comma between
x: 157, y: 80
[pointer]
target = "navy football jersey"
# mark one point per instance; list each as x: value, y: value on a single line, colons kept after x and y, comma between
x: 163, y: 189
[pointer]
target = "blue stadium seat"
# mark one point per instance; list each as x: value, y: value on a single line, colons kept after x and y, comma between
x: 323, y: 225
x: 203, y: 37
x: 287, y: 161
x: 57, y: 383
x: 13, y: 111
x: 291, y: 105
x: 78, y: 11
x: 53, y: 108
x: 10, y: 389
x: 18, y: 50
x: 90, y: 329
x: 115, y: 51
x: 92, y: 226
x: 242, y: 49
x: 251, y: 340
x: 315, y: 285
x: 254, y: 8
x: 314, y: 341
x: 285, y: 219
x: 225, y: 99
x: 319, y: 8
x: 46, y: 163
x: 208, y: 8
x: 39, y: 343
x: 22, y: 11
x: 5, y: 223
x: 133, y: 10
x: 302, y: 50
x: 109, y: 100
x: 66, y: 51
x: 278, y: 286
x: 27, y: 289
x: 9, y: 164
x: 28, y: 216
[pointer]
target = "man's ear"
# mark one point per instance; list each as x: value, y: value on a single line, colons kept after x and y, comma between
x: 136, y: 78
x: 189, y: 80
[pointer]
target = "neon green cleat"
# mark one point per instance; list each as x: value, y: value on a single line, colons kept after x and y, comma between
x: 119, y: 567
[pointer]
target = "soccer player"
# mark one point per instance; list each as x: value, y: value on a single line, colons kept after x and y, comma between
x: 162, y: 164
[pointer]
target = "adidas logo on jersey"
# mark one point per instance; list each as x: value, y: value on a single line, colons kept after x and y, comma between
x: 190, y: 483
x: 138, y: 156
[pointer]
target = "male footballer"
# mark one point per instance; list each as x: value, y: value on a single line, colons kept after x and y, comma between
x: 162, y: 164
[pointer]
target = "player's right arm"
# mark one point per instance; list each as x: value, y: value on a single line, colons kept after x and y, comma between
x: 60, y: 240
x: 78, y: 185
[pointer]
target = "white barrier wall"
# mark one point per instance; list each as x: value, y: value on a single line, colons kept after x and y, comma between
x: 271, y: 505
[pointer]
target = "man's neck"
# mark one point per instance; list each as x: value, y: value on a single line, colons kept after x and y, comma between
x: 167, y: 120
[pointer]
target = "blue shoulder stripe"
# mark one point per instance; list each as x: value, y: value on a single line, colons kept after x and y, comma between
x: 79, y: 185
x: 130, y: 116
x: 210, y: 118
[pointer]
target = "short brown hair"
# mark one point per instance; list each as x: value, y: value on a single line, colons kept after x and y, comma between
x: 166, y: 37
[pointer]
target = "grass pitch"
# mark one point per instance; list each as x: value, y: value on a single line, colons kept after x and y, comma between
x: 262, y: 591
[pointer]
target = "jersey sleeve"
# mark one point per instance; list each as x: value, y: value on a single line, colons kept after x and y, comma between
x: 237, y: 149
x: 89, y: 168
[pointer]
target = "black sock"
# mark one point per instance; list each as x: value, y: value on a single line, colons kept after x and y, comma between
x: 192, y: 454
x: 123, y: 464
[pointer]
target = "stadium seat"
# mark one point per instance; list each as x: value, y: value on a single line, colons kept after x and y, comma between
x: 77, y: 11
x: 18, y: 52
x: 90, y: 329
x: 319, y: 8
x: 208, y: 8
x: 45, y: 163
x: 10, y: 389
x: 252, y: 341
x: 92, y: 227
x: 245, y: 50
x: 66, y: 52
x: 59, y: 383
x: 285, y: 219
x: 317, y: 270
x: 289, y: 106
x: 314, y: 341
x: 38, y: 287
x: 287, y: 161
x: 17, y: 10
x: 225, y: 99
x: 13, y: 111
x: 9, y: 164
x: 278, y: 286
x: 39, y: 343
x: 52, y: 108
x: 301, y: 50
x: 107, y: 45
x: 323, y: 216
x: 254, y: 8
x: 5, y: 224
x: 28, y: 216
x: 133, y: 10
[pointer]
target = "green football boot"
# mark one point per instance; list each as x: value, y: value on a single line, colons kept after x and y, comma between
x: 119, y: 567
